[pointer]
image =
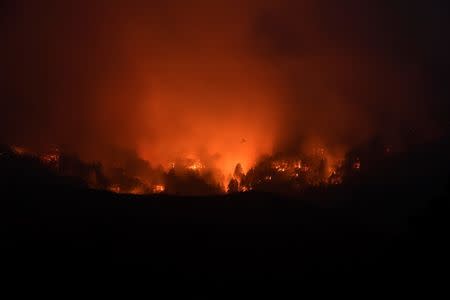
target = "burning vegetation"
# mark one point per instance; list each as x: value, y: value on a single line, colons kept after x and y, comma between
x: 289, y: 174
x: 276, y: 173
x: 214, y: 99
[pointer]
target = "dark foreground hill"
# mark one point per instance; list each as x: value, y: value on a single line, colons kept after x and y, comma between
x: 392, y: 221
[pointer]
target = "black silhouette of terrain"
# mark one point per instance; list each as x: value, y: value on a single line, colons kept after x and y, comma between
x: 391, y: 220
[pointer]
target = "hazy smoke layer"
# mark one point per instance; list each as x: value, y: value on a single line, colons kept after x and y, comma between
x: 221, y: 81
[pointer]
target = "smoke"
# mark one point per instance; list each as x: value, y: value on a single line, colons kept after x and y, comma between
x: 224, y: 82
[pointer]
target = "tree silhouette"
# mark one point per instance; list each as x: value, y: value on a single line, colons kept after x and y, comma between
x: 238, y: 172
x: 233, y: 186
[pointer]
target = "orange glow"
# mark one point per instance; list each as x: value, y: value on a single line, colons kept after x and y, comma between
x: 158, y: 188
x: 280, y: 166
x: 114, y: 189
x: 214, y: 83
x: 198, y: 89
x: 50, y: 158
x: 19, y: 150
x: 195, y: 166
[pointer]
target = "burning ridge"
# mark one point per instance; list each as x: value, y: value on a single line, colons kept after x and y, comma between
x: 276, y: 173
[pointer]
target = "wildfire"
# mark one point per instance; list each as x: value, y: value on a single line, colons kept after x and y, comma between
x: 292, y: 173
x: 158, y: 188
x: 292, y: 167
x: 280, y: 166
x: 276, y: 173
x: 114, y: 188
x: 196, y: 166
x: 50, y: 158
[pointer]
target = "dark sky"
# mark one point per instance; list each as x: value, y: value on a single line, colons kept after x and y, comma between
x: 169, y: 78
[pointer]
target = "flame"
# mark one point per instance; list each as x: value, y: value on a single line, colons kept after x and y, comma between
x: 158, y: 188
x: 280, y: 166
x: 294, y: 172
x: 196, y: 166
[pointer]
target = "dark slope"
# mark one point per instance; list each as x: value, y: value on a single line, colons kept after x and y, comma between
x: 393, y: 220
